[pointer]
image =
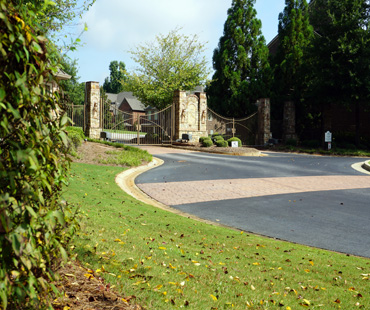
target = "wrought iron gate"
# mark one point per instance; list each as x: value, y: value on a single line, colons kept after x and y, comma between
x: 243, y: 128
x: 151, y: 127
x: 77, y: 115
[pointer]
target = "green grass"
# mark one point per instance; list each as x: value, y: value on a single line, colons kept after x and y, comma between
x: 130, y: 157
x: 170, y: 262
x: 334, y: 151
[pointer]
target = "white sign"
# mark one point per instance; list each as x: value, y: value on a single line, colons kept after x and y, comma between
x: 328, y: 136
x: 234, y: 144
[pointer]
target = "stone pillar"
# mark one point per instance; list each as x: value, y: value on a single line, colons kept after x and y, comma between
x: 289, y: 121
x: 264, y: 133
x: 93, y: 110
x: 190, y: 115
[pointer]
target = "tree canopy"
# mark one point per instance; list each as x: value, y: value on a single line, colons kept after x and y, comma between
x: 341, y: 54
x: 295, y: 36
x: 72, y: 88
x: 114, y: 83
x: 171, y: 62
x: 240, y: 62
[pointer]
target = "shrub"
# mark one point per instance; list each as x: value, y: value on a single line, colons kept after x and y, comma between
x: 76, y: 136
x: 201, y: 139
x: 34, y: 226
x: 311, y: 143
x: 207, y: 142
x: 291, y: 142
x: 217, y: 138
x: 221, y: 143
x: 234, y: 139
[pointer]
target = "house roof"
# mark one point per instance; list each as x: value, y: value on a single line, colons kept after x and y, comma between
x: 134, y: 103
x: 61, y: 75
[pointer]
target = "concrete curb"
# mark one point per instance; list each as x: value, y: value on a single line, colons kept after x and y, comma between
x: 126, y: 181
x: 366, y: 165
x: 363, y: 167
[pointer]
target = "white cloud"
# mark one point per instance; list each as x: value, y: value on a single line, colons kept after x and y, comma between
x: 117, y: 26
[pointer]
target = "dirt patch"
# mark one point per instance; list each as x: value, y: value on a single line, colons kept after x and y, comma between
x: 92, y: 153
x: 85, y: 290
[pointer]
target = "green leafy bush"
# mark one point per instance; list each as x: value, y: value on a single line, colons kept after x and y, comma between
x: 201, y: 139
x: 34, y: 225
x: 234, y: 139
x: 76, y: 136
x: 221, y: 143
x: 217, y: 138
x: 207, y: 142
x: 291, y: 142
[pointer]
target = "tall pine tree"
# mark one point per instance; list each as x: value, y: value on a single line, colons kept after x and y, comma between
x: 114, y: 84
x: 295, y: 36
x: 341, y: 54
x: 240, y: 62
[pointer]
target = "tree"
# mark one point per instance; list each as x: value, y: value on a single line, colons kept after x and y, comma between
x: 240, y: 62
x: 341, y: 54
x: 114, y: 83
x: 53, y: 16
x: 295, y: 36
x: 172, y: 62
x: 34, y: 225
x: 72, y: 88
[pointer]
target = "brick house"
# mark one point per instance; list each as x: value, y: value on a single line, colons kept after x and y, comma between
x: 128, y: 103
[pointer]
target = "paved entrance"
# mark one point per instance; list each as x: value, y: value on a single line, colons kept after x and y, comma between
x: 313, y: 200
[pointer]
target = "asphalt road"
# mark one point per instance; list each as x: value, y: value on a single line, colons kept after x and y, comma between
x: 313, y: 200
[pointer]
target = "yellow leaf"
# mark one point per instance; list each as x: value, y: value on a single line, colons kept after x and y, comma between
x: 241, y: 232
x: 66, y: 308
x: 253, y: 288
x: 164, y: 293
x: 214, y: 297
x: 352, y: 289
x: 288, y: 308
x: 158, y: 287
x: 307, y: 270
x: 312, y: 263
x: 162, y: 248
x: 124, y: 300
x: 307, y: 302
x: 88, y: 275
x: 256, y: 264
x: 117, y: 240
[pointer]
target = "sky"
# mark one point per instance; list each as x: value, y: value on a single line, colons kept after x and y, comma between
x: 118, y: 26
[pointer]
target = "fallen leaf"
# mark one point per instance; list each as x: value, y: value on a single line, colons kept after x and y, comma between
x: 214, y: 297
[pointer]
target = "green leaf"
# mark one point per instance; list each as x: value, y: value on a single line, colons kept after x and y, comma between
x: 2, y: 94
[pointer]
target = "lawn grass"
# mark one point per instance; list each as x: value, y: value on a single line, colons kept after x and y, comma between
x: 334, y: 151
x: 170, y: 262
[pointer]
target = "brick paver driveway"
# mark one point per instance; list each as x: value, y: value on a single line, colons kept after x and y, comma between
x: 313, y: 200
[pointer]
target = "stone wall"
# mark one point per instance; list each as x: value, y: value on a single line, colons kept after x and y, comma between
x: 93, y: 110
x: 289, y: 130
x: 190, y: 115
x: 264, y: 133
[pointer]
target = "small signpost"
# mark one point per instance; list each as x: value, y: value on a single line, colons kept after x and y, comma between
x: 234, y: 144
x: 328, y: 139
